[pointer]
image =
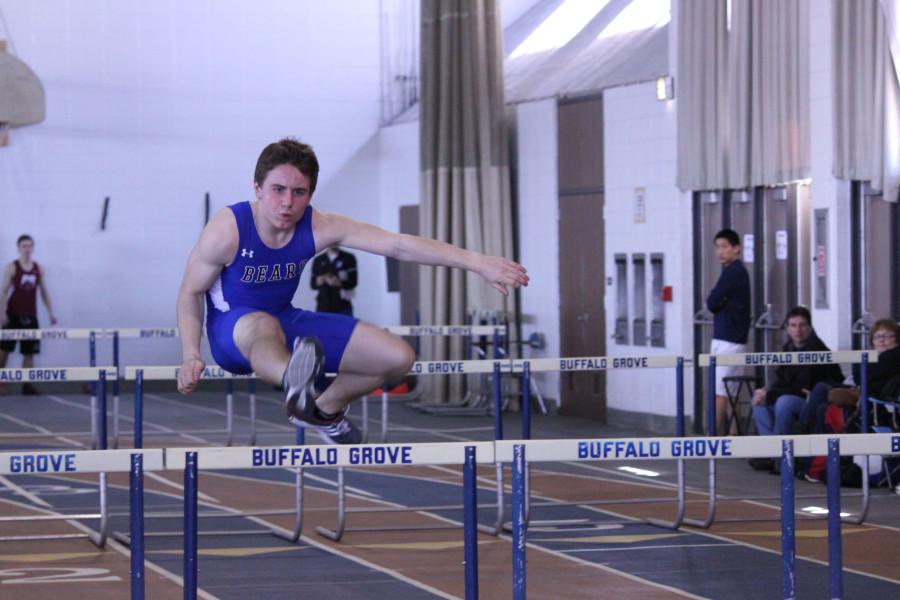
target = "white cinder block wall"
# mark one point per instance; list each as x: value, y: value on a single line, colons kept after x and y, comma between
x: 154, y: 104
x: 640, y: 152
x: 833, y: 323
x: 538, y: 183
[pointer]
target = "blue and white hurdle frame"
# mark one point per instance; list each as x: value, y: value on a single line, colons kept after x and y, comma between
x: 773, y: 359
x: 524, y: 367
x: 194, y: 460
x: 92, y: 335
x: 498, y: 333
x: 144, y: 333
x: 65, y: 462
x: 833, y: 446
x: 170, y: 373
x: 96, y: 376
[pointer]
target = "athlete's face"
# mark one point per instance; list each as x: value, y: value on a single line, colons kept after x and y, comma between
x: 26, y: 249
x: 284, y: 196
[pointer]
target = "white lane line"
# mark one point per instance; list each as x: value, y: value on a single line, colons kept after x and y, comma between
x: 112, y: 543
x: 42, y: 430
x: 24, y: 493
x: 160, y: 428
x: 620, y: 549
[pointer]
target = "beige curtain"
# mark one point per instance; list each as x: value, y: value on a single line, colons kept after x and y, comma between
x: 866, y: 97
x: 742, y: 93
x: 465, y: 179
x: 701, y: 94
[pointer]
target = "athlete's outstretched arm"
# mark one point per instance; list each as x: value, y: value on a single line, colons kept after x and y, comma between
x: 332, y: 229
x: 215, y: 248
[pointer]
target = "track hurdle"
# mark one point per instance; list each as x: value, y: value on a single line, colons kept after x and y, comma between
x: 418, y: 331
x: 211, y: 372
x: 65, y: 462
x: 423, y: 369
x: 193, y: 460
x: 609, y: 363
x: 787, y: 447
x: 524, y: 367
x: 769, y: 359
x: 94, y: 375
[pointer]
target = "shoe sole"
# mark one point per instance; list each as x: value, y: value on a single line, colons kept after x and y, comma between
x: 302, y: 370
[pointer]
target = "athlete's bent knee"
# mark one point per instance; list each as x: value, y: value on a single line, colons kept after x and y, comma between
x: 402, y: 359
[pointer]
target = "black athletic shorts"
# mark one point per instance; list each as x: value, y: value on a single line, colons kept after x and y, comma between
x: 25, y: 346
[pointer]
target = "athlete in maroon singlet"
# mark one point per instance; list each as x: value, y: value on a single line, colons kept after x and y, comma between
x: 22, y: 279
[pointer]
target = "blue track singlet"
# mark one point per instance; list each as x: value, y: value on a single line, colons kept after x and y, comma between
x: 265, y: 279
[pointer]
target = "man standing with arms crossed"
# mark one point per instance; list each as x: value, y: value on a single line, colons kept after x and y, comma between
x: 729, y: 301
x: 247, y: 264
x: 22, y: 278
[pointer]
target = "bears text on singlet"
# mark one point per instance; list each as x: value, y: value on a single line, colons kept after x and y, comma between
x: 276, y: 272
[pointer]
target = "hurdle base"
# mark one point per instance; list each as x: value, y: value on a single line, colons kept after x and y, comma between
x: 97, y: 538
x: 122, y: 538
x: 663, y: 524
x: 329, y: 533
x: 284, y: 534
x: 490, y: 529
x: 697, y: 523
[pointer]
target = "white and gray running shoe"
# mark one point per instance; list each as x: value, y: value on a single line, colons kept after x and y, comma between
x: 342, y: 431
x: 305, y: 366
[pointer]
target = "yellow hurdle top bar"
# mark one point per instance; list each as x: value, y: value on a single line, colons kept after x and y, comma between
x: 772, y: 359
x: 55, y: 374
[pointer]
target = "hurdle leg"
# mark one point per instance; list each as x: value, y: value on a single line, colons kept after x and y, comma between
x: 190, y: 526
x: 679, y: 511
x: 136, y: 522
x: 99, y: 537
x: 498, y: 524
x: 711, y: 505
x: 679, y: 432
x: 835, y: 550
x: 229, y: 413
x: 518, y: 523
x: 365, y: 418
x: 251, y: 389
x: 384, y: 413
x: 115, y: 422
x: 470, y: 523
x: 294, y: 536
x: 338, y: 532
x: 788, y: 522
x: 95, y: 442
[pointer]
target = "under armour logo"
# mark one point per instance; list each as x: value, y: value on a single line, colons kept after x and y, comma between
x: 247, y: 253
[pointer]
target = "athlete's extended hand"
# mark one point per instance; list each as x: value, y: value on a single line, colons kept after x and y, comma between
x: 189, y: 374
x: 502, y: 272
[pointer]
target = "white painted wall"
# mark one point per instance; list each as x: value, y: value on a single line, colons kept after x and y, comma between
x: 538, y: 184
x: 640, y: 152
x: 833, y: 323
x: 154, y: 104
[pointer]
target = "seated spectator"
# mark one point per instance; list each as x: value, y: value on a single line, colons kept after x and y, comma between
x: 882, y: 338
x: 776, y: 408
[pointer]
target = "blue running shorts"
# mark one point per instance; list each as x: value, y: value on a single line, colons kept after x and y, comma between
x: 332, y: 330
